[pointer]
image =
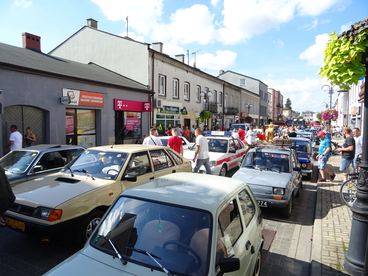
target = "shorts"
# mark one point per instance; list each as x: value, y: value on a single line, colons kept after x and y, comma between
x: 345, y: 164
x: 322, y: 161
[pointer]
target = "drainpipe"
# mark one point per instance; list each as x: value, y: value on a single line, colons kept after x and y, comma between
x: 223, y: 105
x: 152, y: 115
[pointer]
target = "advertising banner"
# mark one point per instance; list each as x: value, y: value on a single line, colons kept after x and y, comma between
x: 126, y: 105
x: 84, y: 98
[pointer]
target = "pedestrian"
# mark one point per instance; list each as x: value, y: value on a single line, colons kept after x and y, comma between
x: 29, y: 137
x: 235, y: 133
x: 347, y: 151
x: 168, y: 131
x: 201, y: 155
x: 292, y: 132
x: 15, y: 138
x: 186, y: 133
x: 241, y: 133
x: 152, y: 139
x: 175, y: 142
x: 251, y: 136
x: 324, y: 152
x: 6, y: 196
x: 180, y: 130
x: 358, y: 146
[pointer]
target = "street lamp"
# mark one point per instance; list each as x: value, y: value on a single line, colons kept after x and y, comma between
x: 330, y: 92
x: 206, y: 98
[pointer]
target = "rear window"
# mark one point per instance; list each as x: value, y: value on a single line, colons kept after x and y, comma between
x: 267, y: 161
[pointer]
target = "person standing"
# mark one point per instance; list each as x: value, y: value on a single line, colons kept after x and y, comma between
x: 186, y: 133
x: 6, y: 195
x: 201, y: 155
x: 358, y: 145
x: 175, y: 141
x: 324, y: 151
x: 152, y: 139
x: 251, y: 136
x: 241, y: 133
x: 347, y: 151
x: 29, y: 137
x: 15, y: 138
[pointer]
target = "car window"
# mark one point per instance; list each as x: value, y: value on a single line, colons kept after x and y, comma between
x: 247, y: 206
x: 267, y: 161
x: 70, y: 154
x: 178, y: 160
x: 230, y: 223
x: 51, y: 160
x: 164, y: 141
x: 139, y: 164
x: 160, y: 160
x: 217, y: 145
x: 17, y: 162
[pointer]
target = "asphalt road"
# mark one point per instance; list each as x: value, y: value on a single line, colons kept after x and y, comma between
x: 288, y: 254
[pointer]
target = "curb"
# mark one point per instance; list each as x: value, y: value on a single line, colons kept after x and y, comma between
x: 316, y: 254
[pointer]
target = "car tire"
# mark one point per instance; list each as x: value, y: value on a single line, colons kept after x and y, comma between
x: 286, y: 211
x: 257, y: 266
x: 87, y: 226
x: 223, y: 171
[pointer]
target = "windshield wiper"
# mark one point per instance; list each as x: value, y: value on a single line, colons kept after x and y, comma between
x: 123, y: 261
x: 153, y: 257
x: 71, y: 171
x: 85, y: 172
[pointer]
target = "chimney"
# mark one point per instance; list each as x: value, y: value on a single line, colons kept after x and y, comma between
x: 92, y: 23
x: 32, y: 42
x: 221, y: 72
x: 180, y: 57
x: 157, y: 46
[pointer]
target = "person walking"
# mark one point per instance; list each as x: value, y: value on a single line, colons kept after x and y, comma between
x: 250, y: 137
x: 6, y: 196
x: 358, y: 146
x: 186, y: 133
x: 347, y: 151
x: 175, y: 141
x: 324, y: 152
x: 15, y: 138
x: 152, y: 139
x: 29, y: 137
x: 241, y: 133
x: 201, y: 155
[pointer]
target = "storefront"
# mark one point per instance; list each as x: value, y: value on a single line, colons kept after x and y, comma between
x: 128, y: 120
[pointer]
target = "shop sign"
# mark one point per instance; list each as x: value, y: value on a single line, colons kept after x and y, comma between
x: 170, y: 109
x: 184, y: 111
x: 125, y: 105
x: 83, y: 98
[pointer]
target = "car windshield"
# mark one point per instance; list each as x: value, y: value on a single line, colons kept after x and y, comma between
x: 164, y: 141
x: 217, y: 145
x: 17, y: 162
x: 302, y: 146
x: 178, y: 237
x: 99, y: 164
x: 262, y: 160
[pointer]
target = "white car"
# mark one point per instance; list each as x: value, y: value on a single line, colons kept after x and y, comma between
x: 225, y: 153
x: 164, y: 227
x: 185, y: 142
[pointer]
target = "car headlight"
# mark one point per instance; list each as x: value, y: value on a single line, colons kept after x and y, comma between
x: 278, y: 191
x: 48, y: 213
x: 304, y: 165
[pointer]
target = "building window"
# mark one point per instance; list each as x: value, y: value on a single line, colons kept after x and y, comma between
x: 162, y: 85
x: 187, y: 91
x: 80, y: 127
x: 220, y: 95
x: 225, y: 101
x: 215, y: 96
x: 175, y: 89
x: 198, y: 93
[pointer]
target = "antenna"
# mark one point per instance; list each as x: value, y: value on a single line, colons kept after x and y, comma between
x: 127, y: 26
x: 195, y: 58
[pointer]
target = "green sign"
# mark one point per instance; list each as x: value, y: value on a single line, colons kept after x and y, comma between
x: 170, y: 109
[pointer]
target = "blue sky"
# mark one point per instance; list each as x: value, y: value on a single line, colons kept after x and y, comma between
x: 280, y: 42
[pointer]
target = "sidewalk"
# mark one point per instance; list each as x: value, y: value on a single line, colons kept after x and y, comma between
x: 331, y: 230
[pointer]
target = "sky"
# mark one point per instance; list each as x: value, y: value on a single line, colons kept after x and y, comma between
x: 279, y: 42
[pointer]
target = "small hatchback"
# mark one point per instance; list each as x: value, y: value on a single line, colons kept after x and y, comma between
x: 175, y: 225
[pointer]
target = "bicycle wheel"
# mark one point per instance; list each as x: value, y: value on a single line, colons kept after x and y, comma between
x: 348, y: 191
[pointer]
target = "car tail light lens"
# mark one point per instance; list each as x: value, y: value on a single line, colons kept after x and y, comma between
x: 48, y: 213
x: 304, y: 165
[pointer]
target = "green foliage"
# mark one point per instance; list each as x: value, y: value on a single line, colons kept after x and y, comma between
x: 343, y: 60
x: 288, y: 104
x: 319, y: 116
x: 205, y: 115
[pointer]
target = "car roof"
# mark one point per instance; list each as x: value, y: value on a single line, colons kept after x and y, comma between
x: 50, y: 147
x: 129, y: 148
x: 201, y: 191
x: 272, y: 148
x: 300, y: 139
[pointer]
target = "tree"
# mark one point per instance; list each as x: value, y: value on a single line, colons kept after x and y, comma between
x: 288, y: 104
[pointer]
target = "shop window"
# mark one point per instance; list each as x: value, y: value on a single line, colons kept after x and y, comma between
x: 80, y: 127
x: 128, y: 125
x: 187, y: 91
x: 162, y: 85
x: 198, y: 93
x: 175, y: 88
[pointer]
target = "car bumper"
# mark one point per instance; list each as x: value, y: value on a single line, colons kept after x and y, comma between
x: 272, y: 203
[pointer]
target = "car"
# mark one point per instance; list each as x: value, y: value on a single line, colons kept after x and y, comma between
x: 74, y: 199
x: 186, y: 143
x: 165, y: 227
x: 304, y: 151
x: 28, y: 163
x: 273, y: 175
x: 225, y: 152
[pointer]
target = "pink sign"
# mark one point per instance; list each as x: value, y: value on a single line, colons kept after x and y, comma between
x: 132, y: 123
x: 125, y: 105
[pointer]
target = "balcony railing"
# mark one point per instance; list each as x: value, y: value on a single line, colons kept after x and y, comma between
x: 231, y: 111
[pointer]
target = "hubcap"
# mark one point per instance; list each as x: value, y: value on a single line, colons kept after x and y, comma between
x: 223, y: 171
x: 91, y: 226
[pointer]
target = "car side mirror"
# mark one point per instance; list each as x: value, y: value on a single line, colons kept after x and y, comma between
x: 130, y: 178
x: 229, y: 265
x: 37, y: 168
x: 232, y: 150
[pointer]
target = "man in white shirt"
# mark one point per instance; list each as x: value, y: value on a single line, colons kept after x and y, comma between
x: 201, y: 156
x: 152, y: 139
x: 251, y: 136
x: 358, y: 145
x: 15, y: 139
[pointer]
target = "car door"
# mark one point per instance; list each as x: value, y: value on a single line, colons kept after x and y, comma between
x: 233, y: 238
x: 138, y: 171
x: 295, y: 175
x: 162, y: 163
x: 180, y: 164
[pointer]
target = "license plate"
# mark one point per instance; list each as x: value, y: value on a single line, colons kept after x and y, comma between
x: 262, y: 203
x: 19, y: 225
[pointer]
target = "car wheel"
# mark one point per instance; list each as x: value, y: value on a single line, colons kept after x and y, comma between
x: 87, y: 226
x: 286, y: 212
x: 223, y: 171
x: 257, y: 266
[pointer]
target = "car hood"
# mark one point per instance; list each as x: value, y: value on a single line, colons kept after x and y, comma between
x: 53, y: 190
x: 189, y: 154
x: 262, y: 178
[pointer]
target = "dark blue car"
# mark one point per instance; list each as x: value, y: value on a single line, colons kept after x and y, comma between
x: 304, y: 150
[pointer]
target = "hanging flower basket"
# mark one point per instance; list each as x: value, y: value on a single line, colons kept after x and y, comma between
x: 329, y: 115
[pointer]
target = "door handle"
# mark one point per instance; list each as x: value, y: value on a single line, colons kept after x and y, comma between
x: 152, y: 177
x: 247, y: 245
x: 174, y: 171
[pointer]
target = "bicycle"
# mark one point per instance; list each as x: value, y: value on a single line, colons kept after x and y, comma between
x: 348, y: 189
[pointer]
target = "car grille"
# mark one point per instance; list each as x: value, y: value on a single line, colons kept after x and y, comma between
x: 22, y: 209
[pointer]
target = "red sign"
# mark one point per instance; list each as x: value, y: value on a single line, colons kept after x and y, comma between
x: 125, y: 105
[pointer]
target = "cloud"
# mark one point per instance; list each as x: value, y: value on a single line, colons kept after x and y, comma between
x: 214, y: 62
x: 22, y: 3
x: 314, y: 24
x: 215, y: 2
x: 315, y: 53
x: 305, y: 94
